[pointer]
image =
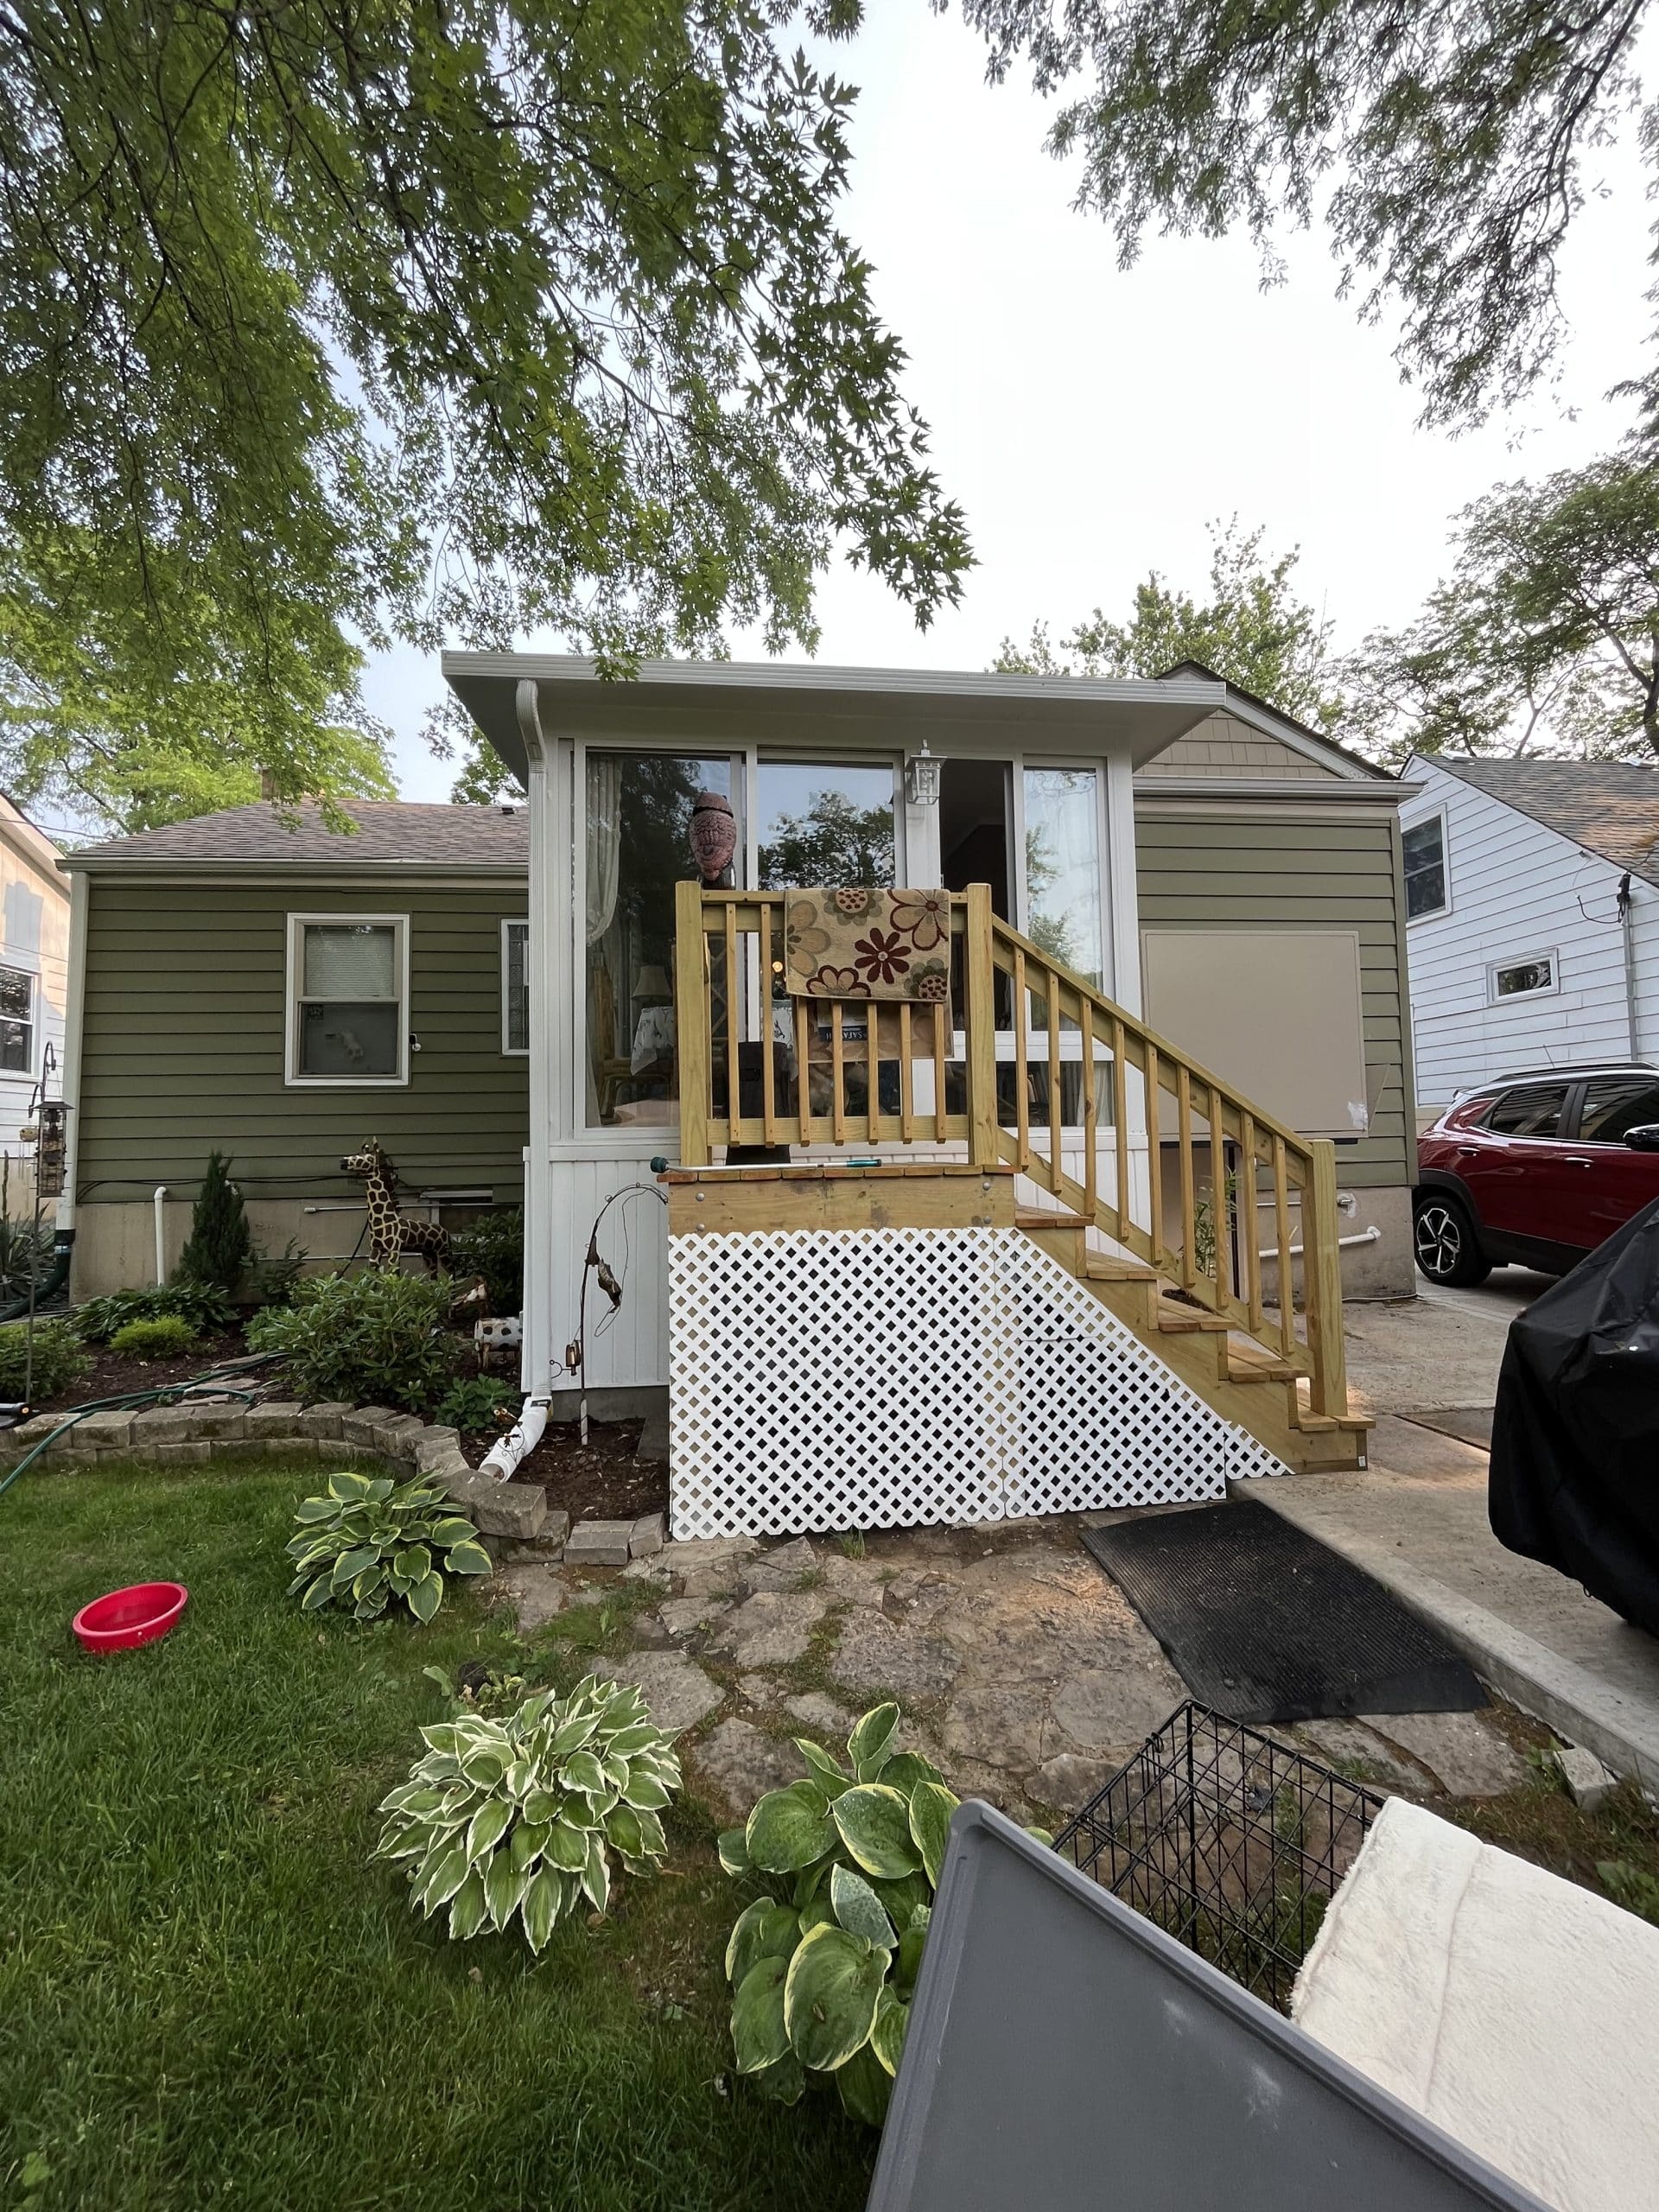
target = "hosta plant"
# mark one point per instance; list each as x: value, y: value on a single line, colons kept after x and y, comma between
x: 521, y: 1813
x: 823, y: 1965
x: 369, y: 1540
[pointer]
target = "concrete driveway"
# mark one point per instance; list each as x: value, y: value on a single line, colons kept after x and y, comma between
x: 1428, y: 1370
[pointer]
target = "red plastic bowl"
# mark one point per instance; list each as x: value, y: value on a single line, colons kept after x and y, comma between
x: 128, y: 1617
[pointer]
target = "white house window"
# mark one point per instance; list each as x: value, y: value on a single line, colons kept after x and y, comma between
x: 1424, y: 845
x: 17, y: 1021
x: 515, y: 987
x: 1063, y: 886
x: 1522, y: 978
x: 348, y: 998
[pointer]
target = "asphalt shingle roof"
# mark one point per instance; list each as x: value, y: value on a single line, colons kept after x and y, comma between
x: 447, y: 836
x: 1610, y: 807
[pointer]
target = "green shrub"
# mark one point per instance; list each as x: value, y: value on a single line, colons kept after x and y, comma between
x: 208, y: 1310
x: 520, y: 1815
x: 25, y: 1249
x: 823, y: 1965
x: 376, y: 1338
x: 220, y: 1243
x: 369, y: 1540
x: 494, y: 1247
x: 164, y: 1337
x: 272, y: 1275
x: 476, y: 1402
x: 58, y: 1359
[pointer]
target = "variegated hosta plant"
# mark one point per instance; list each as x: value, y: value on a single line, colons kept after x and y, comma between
x: 519, y: 1814
x: 823, y: 1967
x: 368, y: 1540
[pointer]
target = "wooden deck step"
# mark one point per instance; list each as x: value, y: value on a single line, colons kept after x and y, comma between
x: 1100, y: 1266
x: 1247, y: 1362
x: 1047, y: 1217
x: 1176, y: 1319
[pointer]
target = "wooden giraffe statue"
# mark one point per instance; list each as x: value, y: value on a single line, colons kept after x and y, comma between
x: 389, y: 1234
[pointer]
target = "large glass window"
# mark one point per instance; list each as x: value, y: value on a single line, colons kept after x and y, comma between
x: 637, y: 846
x: 348, y: 977
x: 17, y: 1021
x: 1615, y: 1104
x: 1063, y: 886
x: 828, y: 824
x: 1424, y: 848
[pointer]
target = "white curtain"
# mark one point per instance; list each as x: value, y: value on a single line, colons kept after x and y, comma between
x: 604, y: 842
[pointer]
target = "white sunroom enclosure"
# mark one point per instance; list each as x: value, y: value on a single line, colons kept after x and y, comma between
x: 1033, y: 798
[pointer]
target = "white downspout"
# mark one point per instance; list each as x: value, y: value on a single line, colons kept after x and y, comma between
x: 161, y: 1234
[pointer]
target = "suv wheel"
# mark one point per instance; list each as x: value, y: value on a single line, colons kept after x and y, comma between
x: 1444, y: 1242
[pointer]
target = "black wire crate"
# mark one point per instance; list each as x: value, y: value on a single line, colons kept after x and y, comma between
x: 1234, y: 1843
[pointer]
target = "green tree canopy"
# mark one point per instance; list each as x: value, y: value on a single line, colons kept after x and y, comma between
x: 1443, y: 145
x: 835, y: 841
x: 1251, y: 627
x: 441, y: 320
x: 1545, y: 637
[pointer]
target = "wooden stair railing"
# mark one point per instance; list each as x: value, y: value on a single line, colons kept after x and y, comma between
x: 1133, y: 1094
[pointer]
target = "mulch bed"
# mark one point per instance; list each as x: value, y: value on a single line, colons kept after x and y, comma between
x: 114, y: 1375
x: 603, y: 1479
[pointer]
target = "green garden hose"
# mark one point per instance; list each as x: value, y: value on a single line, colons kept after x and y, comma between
x: 163, y: 1394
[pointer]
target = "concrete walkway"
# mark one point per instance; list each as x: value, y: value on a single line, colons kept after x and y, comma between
x: 1417, y: 1520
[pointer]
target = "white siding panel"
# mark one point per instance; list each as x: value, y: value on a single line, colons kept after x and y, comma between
x: 1517, y: 889
x: 630, y: 1347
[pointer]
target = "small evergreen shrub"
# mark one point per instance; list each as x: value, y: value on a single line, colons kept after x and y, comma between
x: 272, y: 1275
x: 377, y: 1338
x: 366, y: 1541
x: 478, y: 1402
x: 220, y: 1244
x: 208, y: 1310
x: 163, y: 1338
x: 59, y: 1359
x: 520, y: 1813
x: 494, y: 1247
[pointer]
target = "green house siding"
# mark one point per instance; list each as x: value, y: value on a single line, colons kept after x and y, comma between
x: 183, y: 1031
x: 1258, y: 869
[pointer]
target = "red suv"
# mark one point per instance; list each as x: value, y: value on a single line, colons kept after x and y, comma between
x: 1536, y: 1170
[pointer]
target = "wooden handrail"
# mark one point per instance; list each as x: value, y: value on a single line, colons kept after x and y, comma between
x: 758, y: 1069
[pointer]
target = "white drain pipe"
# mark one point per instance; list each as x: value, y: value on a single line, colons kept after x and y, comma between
x: 519, y: 1441
x: 161, y: 1234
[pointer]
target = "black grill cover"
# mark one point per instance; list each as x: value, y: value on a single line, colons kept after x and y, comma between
x: 1574, y: 1477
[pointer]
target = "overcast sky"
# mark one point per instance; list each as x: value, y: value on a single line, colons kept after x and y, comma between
x: 1091, y: 421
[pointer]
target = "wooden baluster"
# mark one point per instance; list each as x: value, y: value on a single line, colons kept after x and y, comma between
x: 983, y: 1147
x: 1091, y: 1109
x: 907, y: 1079
x: 872, y: 1065
x: 941, y: 1050
x: 768, y: 1079
x: 734, y: 1030
x: 1189, y: 1226
x: 1055, y: 1162
x: 1154, y: 1157
x: 802, y: 1071
x: 837, y: 1076
x: 1220, y: 1211
x: 1249, y: 1228
x: 1021, y: 1064
x: 691, y: 1023
x: 1322, y: 1280
x: 1121, y: 1125
x: 1281, y: 1242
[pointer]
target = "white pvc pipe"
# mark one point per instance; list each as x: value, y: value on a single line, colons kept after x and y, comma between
x: 161, y: 1234
x: 519, y: 1441
x: 1370, y: 1236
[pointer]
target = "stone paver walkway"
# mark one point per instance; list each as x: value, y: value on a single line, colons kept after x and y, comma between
x: 1021, y: 1668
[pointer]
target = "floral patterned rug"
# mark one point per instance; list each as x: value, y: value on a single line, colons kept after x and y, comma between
x: 858, y: 943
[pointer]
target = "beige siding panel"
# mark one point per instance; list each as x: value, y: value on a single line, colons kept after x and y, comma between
x: 1258, y: 870
x: 184, y: 1044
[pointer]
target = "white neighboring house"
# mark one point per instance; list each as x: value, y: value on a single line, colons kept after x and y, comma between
x: 1532, y: 899
x: 33, y: 974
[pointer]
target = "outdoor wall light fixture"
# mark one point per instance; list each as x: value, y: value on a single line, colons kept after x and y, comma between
x: 922, y: 777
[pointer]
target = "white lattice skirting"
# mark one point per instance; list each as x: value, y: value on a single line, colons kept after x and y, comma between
x: 868, y: 1378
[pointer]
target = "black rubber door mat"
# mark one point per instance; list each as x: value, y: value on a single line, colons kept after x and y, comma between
x: 1264, y: 1623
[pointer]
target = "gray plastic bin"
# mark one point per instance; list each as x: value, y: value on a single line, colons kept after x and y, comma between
x: 1064, y: 2051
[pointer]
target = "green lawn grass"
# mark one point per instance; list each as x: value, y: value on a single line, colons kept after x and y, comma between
x: 209, y: 1996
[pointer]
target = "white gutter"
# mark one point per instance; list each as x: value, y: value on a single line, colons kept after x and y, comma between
x: 74, y: 1013
x: 160, y: 1203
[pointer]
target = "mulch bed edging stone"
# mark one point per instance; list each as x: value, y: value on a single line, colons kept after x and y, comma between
x: 192, y: 1431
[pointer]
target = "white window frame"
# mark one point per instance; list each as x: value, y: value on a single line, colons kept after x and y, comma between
x: 508, y: 1050
x: 26, y: 1073
x: 297, y: 924
x: 1496, y: 968
x: 1434, y: 914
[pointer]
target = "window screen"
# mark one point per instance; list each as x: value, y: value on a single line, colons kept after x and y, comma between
x: 348, y: 1011
x: 1534, y: 1110
x: 1424, y: 847
x: 1615, y: 1104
